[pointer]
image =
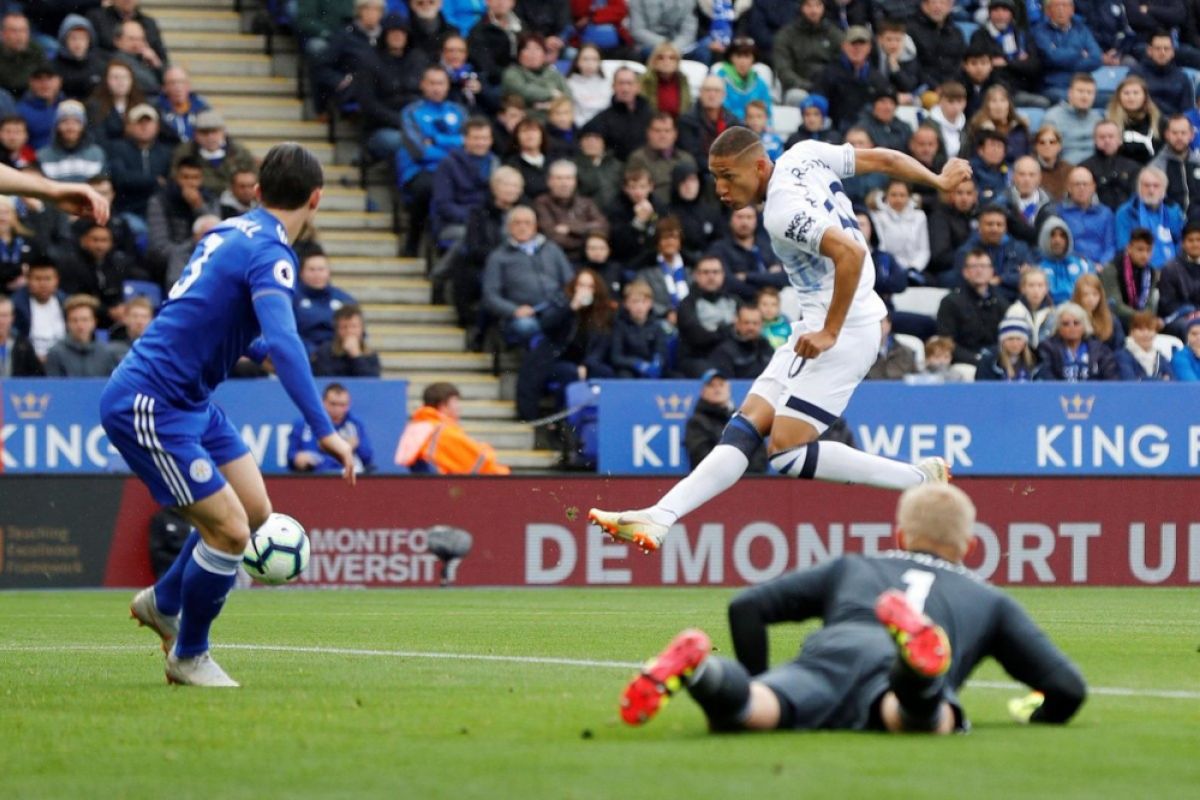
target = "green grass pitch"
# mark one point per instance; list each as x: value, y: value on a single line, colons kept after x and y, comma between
x: 85, y: 711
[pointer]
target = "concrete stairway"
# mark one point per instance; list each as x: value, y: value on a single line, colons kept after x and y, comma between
x: 418, y: 341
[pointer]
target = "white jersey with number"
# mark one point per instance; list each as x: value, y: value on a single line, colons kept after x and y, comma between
x: 804, y: 199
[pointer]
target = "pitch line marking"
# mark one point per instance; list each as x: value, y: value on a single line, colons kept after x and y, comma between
x: 1106, y: 691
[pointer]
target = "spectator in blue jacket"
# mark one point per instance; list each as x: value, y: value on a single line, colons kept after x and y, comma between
x: 430, y: 129
x: 39, y: 103
x: 303, y: 453
x: 461, y: 181
x: 1061, y: 265
x: 1092, y: 224
x: 1149, y: 209
x: 1170, y: 87
x: 317, y: 299
x: 1186, y: 361
x: 1149, y: 17
x: 988, y: 165
x: 742, y: 83
x: 1109, y: 24
x: 1139, y: 359
x: 1067, y: 47
x: 1009, y: 256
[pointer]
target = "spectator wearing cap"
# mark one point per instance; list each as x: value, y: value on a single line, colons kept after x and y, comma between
x: 704, y: 428
x: 17, y: 359
x: 742, y: 83
x: 661, y: 155
x: 108, y: 18
x: 78, y: 60
x: 219, y: 156
x: 19, y: 54
x: 566, y: 217
x: 1186, y: 361
x: 138, y: 162
x: 71, y: 155
x: 1015, y: 59
x: 699, y: 216
x: 39, y: 102
x: 174, y: 208
x: 178, y: 106
x: 1066, y: 46
x: 95, y: 267
x: 351, y: 48
x: 1011, y: 359
x: 880, y: 121
x: 38, y: 305
x: 707, y: 120
x: 746, y: 353
x: 804, y: 48
x: 78, y: 354
x: 623, y: 124
x: 116, y: 94
x: 132, y: 49
x: 850, y: 81
x: 940, y: 44
x: 814, y: 122
x: 384, y: 86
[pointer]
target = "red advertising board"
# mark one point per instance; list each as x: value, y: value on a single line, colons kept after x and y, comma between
x: 533, y: 531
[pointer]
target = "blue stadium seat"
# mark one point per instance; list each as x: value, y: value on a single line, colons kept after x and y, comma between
x: 1033, y: 116
x: 968, y: 29
x: 147, y: 289
x: 1107, y: 79
x: 583, y: 398
x: 1194, y: 75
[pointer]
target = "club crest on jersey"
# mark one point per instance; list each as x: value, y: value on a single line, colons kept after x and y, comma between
x: 799, y: 228
x: 200, y: 470
x: 284, y: 274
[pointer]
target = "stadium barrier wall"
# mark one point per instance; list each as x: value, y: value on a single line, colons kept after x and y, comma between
x: 52, y: 425
x: 60, y: 532
x: 1035, y: 429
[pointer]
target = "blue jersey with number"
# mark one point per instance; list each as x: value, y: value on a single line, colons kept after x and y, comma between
x: 209, y: 320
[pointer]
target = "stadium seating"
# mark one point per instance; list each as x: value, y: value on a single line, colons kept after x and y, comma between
x: 147, y: 289
x: 910, y: 115
x: 1107, y: 80
x: 609, y: 66
x: 967, y: 28
x: 920, y: 300
x: 1033, y: 116
x: 915, y: 345
x: 768, y: 75
x: 695, y: 72
x: 1166, y: 344
x: 787, y: 120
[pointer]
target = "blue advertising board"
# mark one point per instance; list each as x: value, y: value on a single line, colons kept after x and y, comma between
x: 980, y: 429
x: 52, y: 425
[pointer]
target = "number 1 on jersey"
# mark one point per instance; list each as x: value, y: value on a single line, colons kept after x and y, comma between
x: 917, y: 584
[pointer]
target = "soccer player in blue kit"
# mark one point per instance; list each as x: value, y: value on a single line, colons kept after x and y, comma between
x: 234, y: 298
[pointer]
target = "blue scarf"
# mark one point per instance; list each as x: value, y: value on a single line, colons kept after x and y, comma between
x: 675, y: 276
x: 1155, y: 221
x: 1075, y: 364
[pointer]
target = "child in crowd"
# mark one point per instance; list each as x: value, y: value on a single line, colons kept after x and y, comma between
x: 989, y: 168
x: 814, y: 122
x: 756, y: 120
x: 639, y: 341
x: 742, y: 83
x: 939, y: 355
x: 950, y: 116
x: 776, y: 327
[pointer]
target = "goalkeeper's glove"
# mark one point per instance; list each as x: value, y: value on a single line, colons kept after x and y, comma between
x: 1021, y: 709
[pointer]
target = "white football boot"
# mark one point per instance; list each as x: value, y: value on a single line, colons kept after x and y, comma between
x: 199, y: 670
x: 935, y: 470
x: 144, y: 609
x: 630, y: 526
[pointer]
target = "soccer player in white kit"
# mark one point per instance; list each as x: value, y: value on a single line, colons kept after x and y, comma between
x: 811, y: 377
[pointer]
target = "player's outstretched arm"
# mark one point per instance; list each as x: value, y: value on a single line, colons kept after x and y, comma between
x: 1027, y: 654
x: 73, y: 198
x: 906, y: 168
x: 287, y: 353
x: 847, y: 256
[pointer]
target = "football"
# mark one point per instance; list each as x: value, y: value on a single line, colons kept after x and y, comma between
x: 277, y: 552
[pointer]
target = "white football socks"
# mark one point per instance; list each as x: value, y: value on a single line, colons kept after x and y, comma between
x: 719, y: 470
x: 839, y: 463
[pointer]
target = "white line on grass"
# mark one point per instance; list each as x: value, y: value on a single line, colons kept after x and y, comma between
x: 1109, y: 691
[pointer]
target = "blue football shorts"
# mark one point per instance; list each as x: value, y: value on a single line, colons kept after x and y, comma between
x: 175, y: 451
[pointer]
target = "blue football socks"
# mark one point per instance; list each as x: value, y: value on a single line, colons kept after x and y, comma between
x: 168, y: 590
x: 207, y: 579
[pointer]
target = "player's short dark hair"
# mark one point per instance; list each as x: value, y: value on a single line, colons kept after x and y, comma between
x: 288, y: 176
x: 476, y: 122
x: 189, y: 162
x: 734, y: 141
x: 1141, y: 235
x: 334, y: 387
x: 436, y: 394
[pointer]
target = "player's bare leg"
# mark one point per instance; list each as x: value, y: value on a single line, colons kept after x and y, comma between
x: 208, y: 578
x: 247, y: 482
x: 719, y: 470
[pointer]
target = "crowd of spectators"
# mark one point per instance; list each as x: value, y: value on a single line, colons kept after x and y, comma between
x: 553, y: 156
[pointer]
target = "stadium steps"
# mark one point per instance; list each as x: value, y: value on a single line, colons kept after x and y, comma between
x: 416, y: 340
